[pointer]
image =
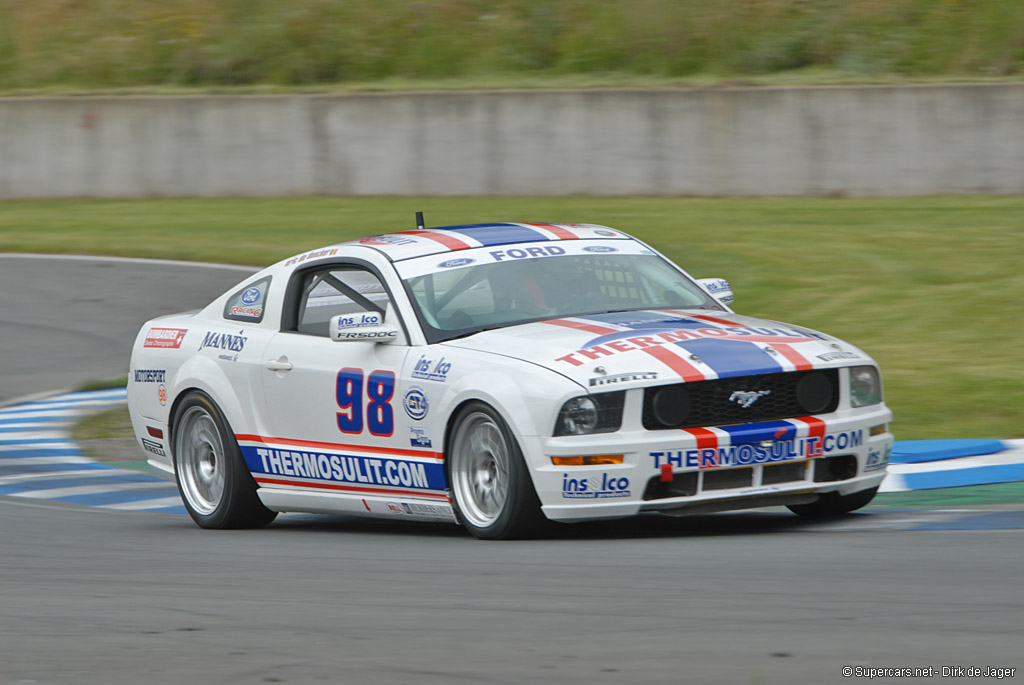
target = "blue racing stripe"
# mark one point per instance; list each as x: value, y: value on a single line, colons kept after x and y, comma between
x: 980, y: 475
x: 729, y: 358
x: 499, y: 234
x: 30, y: 429
x: 748, y: 433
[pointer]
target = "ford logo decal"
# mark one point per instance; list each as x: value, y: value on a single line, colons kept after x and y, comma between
x: 452, y: 263
x: 600, y: 248
x: 251, y: 295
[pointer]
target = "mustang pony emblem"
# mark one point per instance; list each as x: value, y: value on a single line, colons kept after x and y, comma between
x: 745, y: 398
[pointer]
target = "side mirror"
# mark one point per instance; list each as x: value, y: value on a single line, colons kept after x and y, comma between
x: 719, y: 288
x: 365, y: 327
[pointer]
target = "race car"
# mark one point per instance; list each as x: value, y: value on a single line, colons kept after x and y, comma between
x: 500, y: 376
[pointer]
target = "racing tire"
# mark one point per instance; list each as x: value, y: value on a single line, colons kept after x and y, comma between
x: 492, y: 492
x: 834, y: 504
x: 214, y: 483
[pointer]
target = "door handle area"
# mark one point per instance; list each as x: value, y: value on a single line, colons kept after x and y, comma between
x: 281, y: 364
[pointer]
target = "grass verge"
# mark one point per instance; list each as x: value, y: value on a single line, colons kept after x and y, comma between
x: 930, y: 287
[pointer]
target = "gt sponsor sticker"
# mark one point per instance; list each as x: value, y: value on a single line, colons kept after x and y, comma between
x: 598, y: 486
x: 165, y: 338
x: 415, y: 403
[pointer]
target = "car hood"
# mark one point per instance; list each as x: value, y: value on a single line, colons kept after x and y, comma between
x: 619, y: 350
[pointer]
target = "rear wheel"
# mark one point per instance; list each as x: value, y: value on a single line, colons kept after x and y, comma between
x: 215, y: 485
x: 491, y: 486
x: 834, y: 504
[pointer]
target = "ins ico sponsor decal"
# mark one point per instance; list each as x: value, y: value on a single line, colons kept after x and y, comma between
x: 603, y: 486
x: 431, y: 370
x: 166, y: 338
x: 745, y: 455
x: 345, y: 469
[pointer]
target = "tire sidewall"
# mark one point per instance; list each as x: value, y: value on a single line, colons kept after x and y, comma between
x: 219, y: 518
x: 521, y: 504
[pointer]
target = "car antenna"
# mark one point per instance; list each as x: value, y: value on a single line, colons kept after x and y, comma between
x: 419, y: 221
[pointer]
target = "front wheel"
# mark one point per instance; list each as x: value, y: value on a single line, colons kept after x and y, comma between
x: 215, y: 485
x: 491, y: 487
x: 834, y: 504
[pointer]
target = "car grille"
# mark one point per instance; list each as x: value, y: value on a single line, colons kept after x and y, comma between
x: 707, y: 403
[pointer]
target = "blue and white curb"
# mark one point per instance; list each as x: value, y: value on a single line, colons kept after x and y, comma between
x: 934, y: 464
x: 38, y: 459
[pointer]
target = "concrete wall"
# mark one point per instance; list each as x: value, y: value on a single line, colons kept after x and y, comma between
x: 749, y: 141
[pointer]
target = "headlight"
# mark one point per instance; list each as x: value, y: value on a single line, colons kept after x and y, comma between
x: 865, y: 386
x: 600, y: 413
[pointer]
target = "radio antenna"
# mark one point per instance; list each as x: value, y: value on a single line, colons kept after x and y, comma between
x: 419, y: 221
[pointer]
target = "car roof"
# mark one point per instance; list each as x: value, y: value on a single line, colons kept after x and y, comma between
x: 435, y: 240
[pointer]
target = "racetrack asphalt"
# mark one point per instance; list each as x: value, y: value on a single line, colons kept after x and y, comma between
x: 105, y: 596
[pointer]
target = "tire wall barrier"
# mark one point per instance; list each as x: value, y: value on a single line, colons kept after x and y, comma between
x: 857, y: 141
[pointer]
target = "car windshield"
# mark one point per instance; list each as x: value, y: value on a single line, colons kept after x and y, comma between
x: 461, y: 298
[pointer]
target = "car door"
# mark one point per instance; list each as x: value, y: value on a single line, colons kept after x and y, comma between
x: 330, y: 408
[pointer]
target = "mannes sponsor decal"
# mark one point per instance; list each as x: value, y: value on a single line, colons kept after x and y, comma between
x: 166, y: 338
x: 761, y: 453
x: 224, y: 341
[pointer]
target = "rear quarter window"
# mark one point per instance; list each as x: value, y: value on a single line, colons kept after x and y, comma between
x: 249, y: 302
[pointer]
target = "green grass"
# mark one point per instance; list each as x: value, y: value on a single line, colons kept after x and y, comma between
x: 931, y: 287
x: 131, y: 43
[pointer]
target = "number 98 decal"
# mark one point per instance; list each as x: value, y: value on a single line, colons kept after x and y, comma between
x: 380, y: 388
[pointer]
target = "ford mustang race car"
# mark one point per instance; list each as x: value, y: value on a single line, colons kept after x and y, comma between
x: 498, y: 375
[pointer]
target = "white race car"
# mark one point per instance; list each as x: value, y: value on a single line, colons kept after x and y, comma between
x: 496, y: 375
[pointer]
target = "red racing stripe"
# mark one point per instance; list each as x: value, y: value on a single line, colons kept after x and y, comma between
x: 714, y: 320
x: 705, y: 439
x: 816, y: 429
x: 588, y: 327
x: 448, y: 241
x: 395, y: 451
x: 795, y: 358
x: 562, y: 233
x: 686, y: 370
x: 349, y: 488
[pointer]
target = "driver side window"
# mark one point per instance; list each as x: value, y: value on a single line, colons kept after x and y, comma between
x: 336, y: 290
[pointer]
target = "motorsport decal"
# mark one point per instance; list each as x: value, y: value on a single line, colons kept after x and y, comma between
x: 415, y: 403
x: 759, y: 453
x: 150, y: 375
x: 624, y: 378
x: 326, y: 252
x: 431, y: 370
x: 601, y: 486
x: 344, y: 471
x: 166, y: 338
x: 254, y: 312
